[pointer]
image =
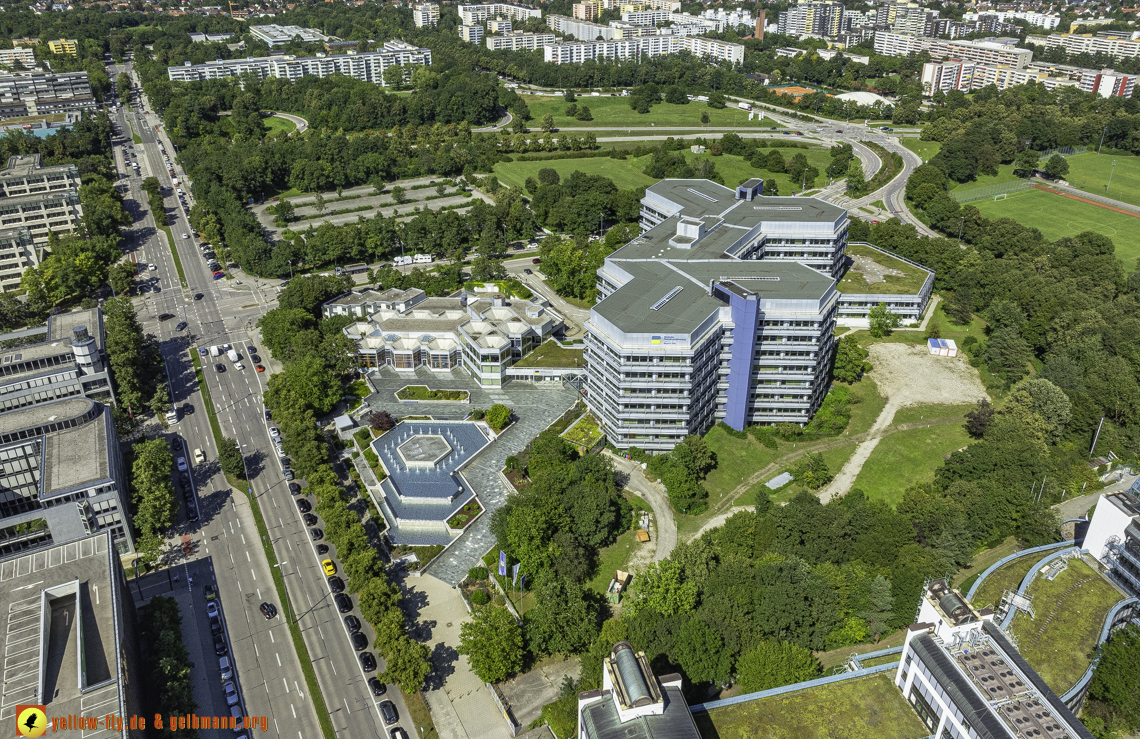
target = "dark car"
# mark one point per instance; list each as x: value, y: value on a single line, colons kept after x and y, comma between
x: 165, y: 316
x: 309, y: 519
x: 388, y: 710
x: 303, y: 505
x: 317, y: 534
x: 268, y: 610
x: 536, y: 260
x: 367, y: 661
x: 254, y: 358
x: 191, y: 513
x: 529, y: 271
x: 268, y: 415
x: 198, y: 296
x: 181, y: 326
x: 289, y: 474
x: 219, y: 367
x: 352, y: 623
x: 251, y: 349
x: 175, y: 442
x: 220, y: 645
x: 322, y: 549
x: 336, y: 584
x: 215, y: 625
x: 397, y: 733
x: 343, y: 602
x: 294, y: 488
x: 377, y: 687
x: 359, y: 641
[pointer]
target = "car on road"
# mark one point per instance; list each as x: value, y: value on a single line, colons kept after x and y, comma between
x: 182, y: 464
x: 536, y: 260
x: 367, y: 661
x: 529, y: 271
x: 220, y: 645
x: 322, y: 549
x: 165, y: 316
x: 388, y: 711
x: 309, y: 519
x: 343, y: 602
x: 377, y: 687
x: 317, y: 534
x: 352, y: 623
x: 359, y: 641
x: 203, y: 351
x: 330, y: 566
x: 288, y: 474
x: 198, y: 296
x: 231, y: 693
x: 199, y: 457
x: 397, y: 732
x: 239, y: 366
x: 181, y: 326
x: 210, y: 591
x: 260, y: 368
x: 305, y: 506
x: 268, y: 610
x: 219, y: 367
x: 191, y: 512
x: 185, y: 236
x: 212, y: 608
x: 336, y: 584
x: 839, y: 130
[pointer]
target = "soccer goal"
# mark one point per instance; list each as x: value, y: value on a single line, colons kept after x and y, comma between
x: 1001, y: 196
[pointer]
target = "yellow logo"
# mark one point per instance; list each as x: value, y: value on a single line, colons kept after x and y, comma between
x: 31, y: 721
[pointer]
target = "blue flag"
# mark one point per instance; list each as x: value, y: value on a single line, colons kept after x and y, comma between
x: 502, y: 563
x: 523, y: 584
x: 515, y: 573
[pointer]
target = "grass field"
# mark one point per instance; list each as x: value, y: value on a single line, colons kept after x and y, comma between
x: 615, y: 111
x: 925, y: 149
x: 861, y: 708
x: 934, y: 410
x: 627, y: 173
x: 736, y: 459
x: 135, y: 138
x: 855, y: 281
x: 1056, y: 216
x: 275, y: 124
x: 1006, y: 577
x: 1090, y: 173
x: 1005, y: 174
x: 1070, y: 613
x: 612, y: 558
x: 551, y: 354
x: 867, y: 404
x: 907, y: 458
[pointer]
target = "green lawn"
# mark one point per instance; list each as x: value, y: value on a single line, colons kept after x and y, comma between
x: 135, y: 138
x: 1006, y: 577
x: 615, y: 111
x: 612, y: 558
x: 861, y: 708
x: 907, y: 458
x: 1090, y: 173
x: 1056, y: 216
x: 855, y: 280
x: 1070, y: 613
x: 423, y: 392
x: 550, y: 354
x: 949, y: 330
x: 275, y: 124
x: 925, y: 149
x: 585, y: 432
x: 866, y: 406
x: 736, y: 460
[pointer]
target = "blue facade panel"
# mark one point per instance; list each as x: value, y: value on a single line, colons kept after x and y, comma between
x: 745, y: 317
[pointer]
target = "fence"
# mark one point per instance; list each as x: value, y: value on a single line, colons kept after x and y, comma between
x: 989, y: 191
x: 1065, y: 151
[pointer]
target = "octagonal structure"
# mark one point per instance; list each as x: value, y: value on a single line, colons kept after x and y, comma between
x: 424, y: 450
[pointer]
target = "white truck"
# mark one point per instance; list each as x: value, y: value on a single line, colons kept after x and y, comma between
x: 422, y: 259
x: 402, y: 261
x: 232, y: 356
x: 744, y: 106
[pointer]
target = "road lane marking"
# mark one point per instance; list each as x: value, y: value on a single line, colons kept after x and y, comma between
x: 278, y: 656
x: 294, y: 710
x: 346, y: 704
x: 259, y: 593
x: 232, y: 558
x: 274, y: 641
x: 253, y: 573
x: 298, y: 687
x: 243, y: 538
x: 320, y: 632
x: 255, y: 650
x: 247, y: 559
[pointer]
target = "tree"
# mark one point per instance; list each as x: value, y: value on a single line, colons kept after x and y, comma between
x: 319, y: 202
x: 771, y: 664
x: 548, y: 176
x: 230, y: 459
x: 882, y: 602
x: 564, y: 619
x: 394, y: 76
x: 160, y: 400
x: 883, y: 320
x: 1007, y: 354
x: 122, y: 277
x: 399, y: 194
x: 856, y: 180
x: 811, y: 471
x: 1056, y: 167
x: 1026, y: 162
x: 547, y: 123
x: 979, y: 419
x: 1114, y: 680
x: 584, y: 114
x: 850, y: 361
x: 776, y: 162
x: 568, y: 96
x: 498, y: 416
x: 1039, y: 396
x: 408, y: 664
x: 285, y: 211
x: 382, y: 421
x: 700, y: 650
x: 661, y: 588
x: 716, y: 99
x: 492, y: 641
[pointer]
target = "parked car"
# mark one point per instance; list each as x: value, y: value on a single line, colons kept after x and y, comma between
x: 210, y: 591
x: 322, y: 549
x: 397, y: 733
x: 231, y: 693
x: 536, y: 260
x: 288, y: 474
x: 260, y: 368
x: 359, y: 641
x: 225, y: 668
x: 377, y: 687
x: 388, y: 710
x: 215, y: 625
x: 309, y: 519
x: 212, y: 608
x: 343, y: 602
x: 330, y: 567
x: 317, y: 534
x: 274, y: 433
x: 336, y: 584
x: 182, y: 464
x: 294, y: 488
x: 352, y: 623
x: 251, y: 349
x: 268, y: 610
x: 304, y: 506
x: 368, y: 662
x: 220, y: 645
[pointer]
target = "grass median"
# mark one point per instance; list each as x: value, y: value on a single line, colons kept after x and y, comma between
x: 278, y: 582
x: 174, y: 253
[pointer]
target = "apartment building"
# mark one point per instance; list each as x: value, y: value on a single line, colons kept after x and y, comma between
x: 520, y: 41
x: 368, y: 66
x: 469, y: 15
x: 44, y: 93
x: 500, y: 25
x: 425, y: 15
x: 817, y: 17
x: 990, y: 53
x: 67, y: 46
x: 34, y: 201
x: 634, y: 47
x: 955, y: 74
x: 471, y: 34
x: 647, y: 17
x: 21, y: 55
x: 722, y: 309
x: 1108, y: 83
x: 276, y: 35
x: 1117, y: 48
x: 1044, y: 20
x: 587, y: 11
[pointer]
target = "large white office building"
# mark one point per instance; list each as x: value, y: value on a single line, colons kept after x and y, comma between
x: 634, y: 47
x: 35, y: 201
x: 275, y: 35
x: 368, y: 66
x: 722, y: 309
x: 44, y: 93
x: 469, y: 15
x: 984, y: 52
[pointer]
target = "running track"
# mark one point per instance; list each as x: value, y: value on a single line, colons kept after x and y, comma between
x: 1086, y: 200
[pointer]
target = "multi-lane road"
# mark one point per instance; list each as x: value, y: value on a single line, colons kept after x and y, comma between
x: 267, y: 665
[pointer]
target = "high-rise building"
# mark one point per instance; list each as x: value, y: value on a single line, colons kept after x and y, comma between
x: 471, y: 14
x: 68, y: 363
x: 1113, y: 537
x: 817, y: 17
x: 588, y: 10
x: 425, y: 15
x: 22, y: 55
x: 471, y: 34
x: 1117, y: 48
x: 368, y: 66
x: 632, y: 47
x: 983, y: 52
x: 44, y: 93
x: 34, y: 202
x: 520, y: 41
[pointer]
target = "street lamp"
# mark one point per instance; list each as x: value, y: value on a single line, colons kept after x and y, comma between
x: 960, y: 227
x: 1110, y: 173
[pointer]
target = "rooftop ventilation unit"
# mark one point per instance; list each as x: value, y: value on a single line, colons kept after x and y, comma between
x: 668, y: 296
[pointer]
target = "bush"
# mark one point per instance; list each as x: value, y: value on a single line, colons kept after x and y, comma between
x: 764, y: 435
x: 498, y: 416
x: 477, y: 414
x: 477, y: 573
x: 480, y: 597
x: 730, y: 430
x: 511, y: 463
x: 372, y: 459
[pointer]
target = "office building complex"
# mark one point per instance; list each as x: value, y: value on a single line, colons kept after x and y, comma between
x: 21, y: 55
x: 722, y: 309
x: 1117, y: 48
x: 34, y: 201
x: 1113, y: 537
x: 965, y: 679
x: 817, y: 17
x: 63, y: 475
x: 70, y: 622
x: 426, y: 15
x: 44, y: 93
x: 368, y: 66
x: 985, y: 52
x: 634, y: 47
x: 205, y: 38
x: 67, y: 46
x: 469, y: 15
x: 633, y: 702
x: 482, y: 332
x: 275, y: 35
x: 520, y: 41
x: 471, y: 34
x: 68, y: 363
x: 955, y: 74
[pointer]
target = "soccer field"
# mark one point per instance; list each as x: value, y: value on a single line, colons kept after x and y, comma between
x: 1090, y: 173
x: 1056, y: 216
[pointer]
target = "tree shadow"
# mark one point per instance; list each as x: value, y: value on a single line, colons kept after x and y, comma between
x: 443, y: 659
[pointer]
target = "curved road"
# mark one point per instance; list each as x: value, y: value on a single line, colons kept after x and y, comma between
x: 297, y: 120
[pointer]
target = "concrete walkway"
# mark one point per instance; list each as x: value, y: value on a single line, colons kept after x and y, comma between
x: 655, y: 495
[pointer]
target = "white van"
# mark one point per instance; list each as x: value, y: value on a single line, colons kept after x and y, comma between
x: 232, y: 356
x: 401, y: 261
x: 172, y: 415
x: 422, y: 259
x: 215, y: 351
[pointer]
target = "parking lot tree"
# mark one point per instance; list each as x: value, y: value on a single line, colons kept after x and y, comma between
x: 492, y: 641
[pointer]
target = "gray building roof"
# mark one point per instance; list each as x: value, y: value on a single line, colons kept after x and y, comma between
x: 600, y: 720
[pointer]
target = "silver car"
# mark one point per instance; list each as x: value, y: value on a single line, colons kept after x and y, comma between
x: 231, y: 693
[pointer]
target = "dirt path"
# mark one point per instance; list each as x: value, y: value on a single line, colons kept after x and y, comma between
x: 666, y: 526
x: 907, y: 375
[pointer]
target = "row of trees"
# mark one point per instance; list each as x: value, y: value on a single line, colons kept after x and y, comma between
x: 167, y: 677
x: 136, y: 362
x: 153, y: 502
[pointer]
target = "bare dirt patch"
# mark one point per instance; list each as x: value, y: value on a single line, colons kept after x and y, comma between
x: 908, y: 375
x: 871, y: 270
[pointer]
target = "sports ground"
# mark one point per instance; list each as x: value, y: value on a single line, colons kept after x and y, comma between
x: 1056, y: 216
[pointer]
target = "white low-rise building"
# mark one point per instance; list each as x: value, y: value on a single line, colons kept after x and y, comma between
x: 368, y: 66
x: 276, y: 35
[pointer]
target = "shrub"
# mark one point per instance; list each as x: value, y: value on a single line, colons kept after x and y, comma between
x: 477, y: 414
x: 498, y: 416
x: 477, y: 573
x: 764, y: 435
x: 511, y: 463
x: 730, y: 430
x: 480, y: 597
x: 372, y: 459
